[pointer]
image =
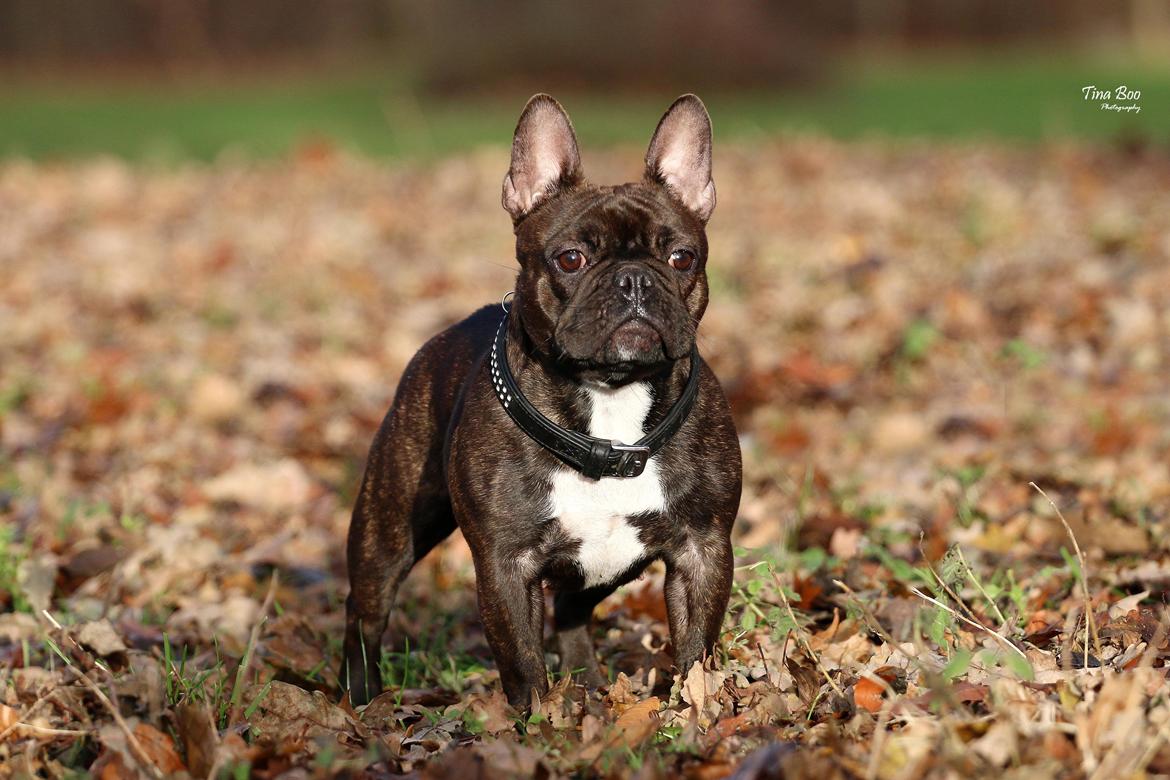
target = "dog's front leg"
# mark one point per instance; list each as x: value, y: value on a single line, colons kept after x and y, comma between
x: 698, y: 585
x: 511, y: 605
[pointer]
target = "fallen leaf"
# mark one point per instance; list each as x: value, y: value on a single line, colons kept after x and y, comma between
x: 114, y: 766
x: 216, y: 398
x: 119, y: 760
x: 620, y: 696
x: 1123, y: 606
x: 291, y: 644
x: 699, y: 689
x: 631, y: 729
x: 200, y: 737
x: 900, y: 432
x: 765, y: 763
x: 91, y: 561
x: 8, y: 716
x: 509, y: 758
x: 645, y: 602
x: 1137, y: 625
x: 845, y: 543
x: 468, y: 762
x: 639, y: 721
x: 492, y: 711
x: 273, y: 487
x: 999, y: 745
x: 728, y: 726
x: 100, y: 636
x: 159, y: 748
x: 36, y: 576
x: 287, y: 712
x: 1112, y: 534
x: 867, y: 694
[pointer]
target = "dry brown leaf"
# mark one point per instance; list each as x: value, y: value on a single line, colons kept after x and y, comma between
x: 200, y: 737
x: 113, y: 766
x: 121, y: 759
x: 216, y: 398
x: 272, y: 487
x: 999, y: 745
x: 36, y: 577
x: 287, y: 712
x: 639, y: 721
x: 908, y: 751
x: 159, y: 748
x: 766, y: 763
x: 1137, y: 625
x: 8, y: 716
x: 510, y: 758
x: 620, y: 696
x: 493, y: 712
x: 100, y: 636
x: 646, y: 601
x: 290, y: 643
x: 867, y: 694
x: 699, y: 690
x: 501, y: 761
x: 632, y: 728
x: 728, y: 726
x: 1123, y: 606
x: 1113, y: 535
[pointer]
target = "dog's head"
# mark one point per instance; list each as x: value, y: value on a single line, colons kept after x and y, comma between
x: 612, y: 279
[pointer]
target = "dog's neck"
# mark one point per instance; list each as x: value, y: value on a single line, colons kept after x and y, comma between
x: 583, y: 404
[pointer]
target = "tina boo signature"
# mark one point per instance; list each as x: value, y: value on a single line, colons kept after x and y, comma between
x: 1128, y: 98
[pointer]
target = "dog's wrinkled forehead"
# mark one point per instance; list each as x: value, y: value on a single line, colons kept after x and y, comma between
x: 622, y: 220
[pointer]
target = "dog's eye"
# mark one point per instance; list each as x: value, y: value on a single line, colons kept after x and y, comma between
x: 682, y: 259
x: 571, y: 260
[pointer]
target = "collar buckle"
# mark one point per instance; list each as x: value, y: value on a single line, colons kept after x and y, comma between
x: 632, y: 460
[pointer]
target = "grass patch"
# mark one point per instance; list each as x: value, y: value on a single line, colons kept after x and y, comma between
x: 11, y: 554
x: 1018, y: 96
x: 436, y: 665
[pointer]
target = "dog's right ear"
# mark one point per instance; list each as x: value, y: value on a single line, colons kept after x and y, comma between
x: 544, y: 157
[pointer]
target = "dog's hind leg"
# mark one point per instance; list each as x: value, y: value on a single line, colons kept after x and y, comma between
x: 572, y: 615
x: 401, y: 512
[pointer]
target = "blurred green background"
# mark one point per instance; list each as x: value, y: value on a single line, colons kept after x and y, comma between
x: 165, y: 80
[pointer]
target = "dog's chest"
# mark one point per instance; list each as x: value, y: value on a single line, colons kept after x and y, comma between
x: 595, y: 512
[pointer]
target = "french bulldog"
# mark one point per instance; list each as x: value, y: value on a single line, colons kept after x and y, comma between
x: 577, y: 436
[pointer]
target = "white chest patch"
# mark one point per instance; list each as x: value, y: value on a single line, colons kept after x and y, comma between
x: 595, y: 511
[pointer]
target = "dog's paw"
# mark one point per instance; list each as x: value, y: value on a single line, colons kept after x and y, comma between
x: 362, y: 684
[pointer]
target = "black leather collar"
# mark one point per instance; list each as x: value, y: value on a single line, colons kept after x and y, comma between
x: 593, y: 457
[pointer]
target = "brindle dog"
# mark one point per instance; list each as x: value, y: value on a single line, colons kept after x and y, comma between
x: 599, y: 338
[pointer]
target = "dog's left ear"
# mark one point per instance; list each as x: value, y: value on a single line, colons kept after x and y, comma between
x: 679, y: 156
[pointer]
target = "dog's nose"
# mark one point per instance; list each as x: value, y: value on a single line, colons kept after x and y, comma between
x: 634, y: 283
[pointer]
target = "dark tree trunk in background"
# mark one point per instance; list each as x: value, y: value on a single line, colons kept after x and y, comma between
x: 153, y: 32
x: 465, y: 44
x: 461, y: 45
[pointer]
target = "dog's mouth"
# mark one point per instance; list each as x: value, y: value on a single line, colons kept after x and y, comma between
x: 635, y: 340
x: 636, y: 346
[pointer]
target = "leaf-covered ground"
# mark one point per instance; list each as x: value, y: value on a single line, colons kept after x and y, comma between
x: 193, y: 361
